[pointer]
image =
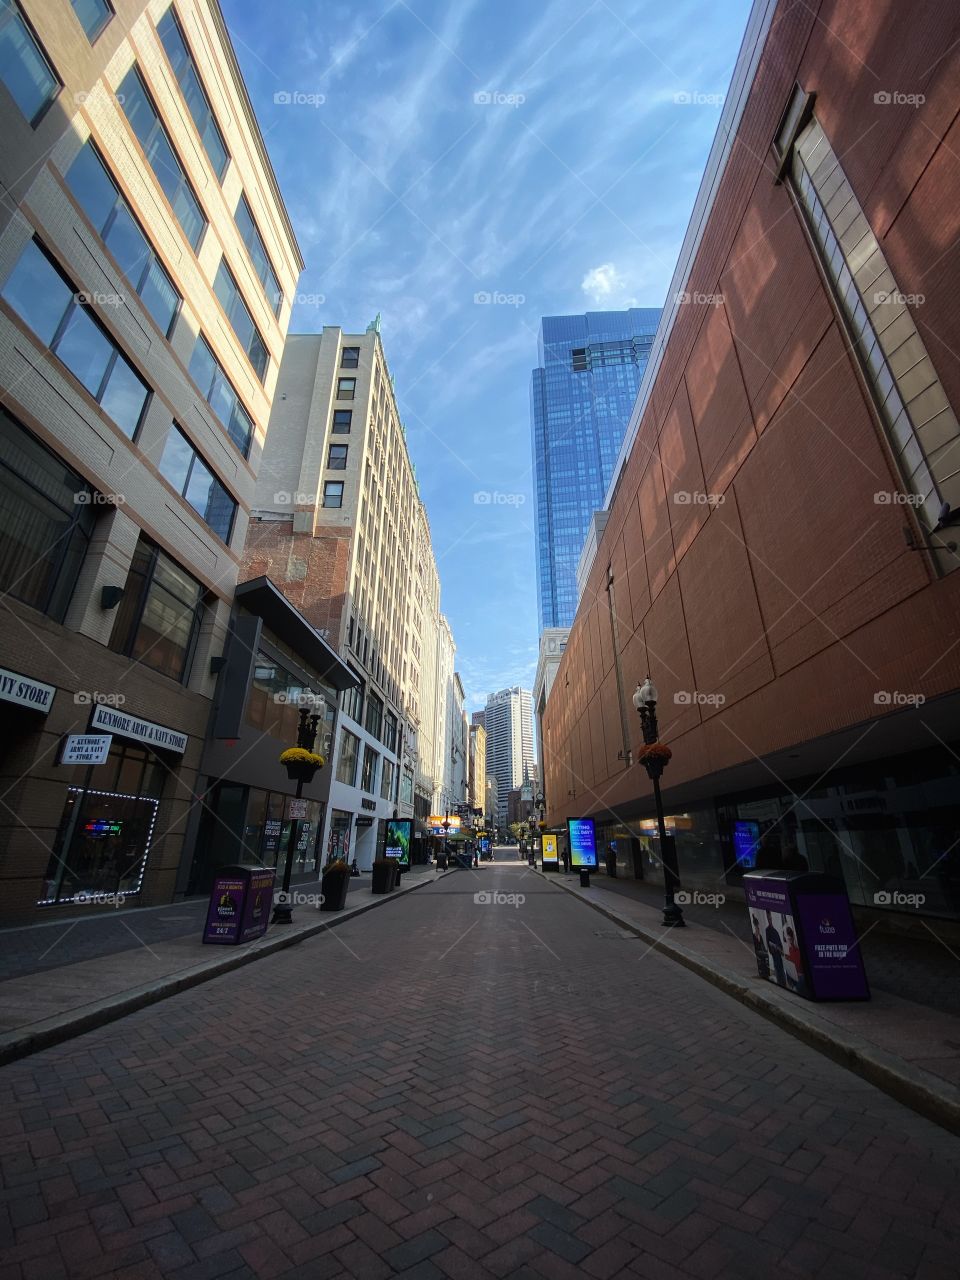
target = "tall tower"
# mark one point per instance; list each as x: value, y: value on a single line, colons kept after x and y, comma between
x: 508, y: 718
x: 581, y: 397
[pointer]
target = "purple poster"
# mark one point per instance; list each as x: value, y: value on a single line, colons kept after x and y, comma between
x: 830, y: 945
x: 775, y: 939
x: 226, y: 902
x: 259, y: 901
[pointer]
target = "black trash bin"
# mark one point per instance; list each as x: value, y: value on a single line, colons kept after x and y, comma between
x: 804, y: 936
x: 240, y: 903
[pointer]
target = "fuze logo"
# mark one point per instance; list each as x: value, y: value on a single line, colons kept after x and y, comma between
x: 826, y: 926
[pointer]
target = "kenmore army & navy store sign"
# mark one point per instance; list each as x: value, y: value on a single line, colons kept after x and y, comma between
x: 155, y: 735
x: 26, y: 692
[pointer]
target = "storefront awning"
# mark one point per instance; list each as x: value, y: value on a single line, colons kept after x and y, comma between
x: 267, y: 601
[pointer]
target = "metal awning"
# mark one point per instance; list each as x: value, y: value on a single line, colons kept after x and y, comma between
x: 267, y: 601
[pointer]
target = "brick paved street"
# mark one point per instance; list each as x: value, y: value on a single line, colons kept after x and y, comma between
x: 446, y: 1088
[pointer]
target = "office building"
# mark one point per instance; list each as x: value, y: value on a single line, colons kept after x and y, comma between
x: 581, y: 395
x: 147, y: 264
x: 339, y: 526
x: 779, y: 551
x: 477, y: 775
x: 508, y: 719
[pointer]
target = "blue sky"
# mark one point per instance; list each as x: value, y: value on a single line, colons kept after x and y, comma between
x: 534, y: 154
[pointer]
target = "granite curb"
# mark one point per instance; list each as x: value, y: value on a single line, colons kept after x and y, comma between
x: 923, y: 1092
x: 65, y: 1026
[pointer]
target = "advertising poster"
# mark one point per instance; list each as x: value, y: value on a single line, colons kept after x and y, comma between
x: 776, y: 941
x: 831, y: 947
x: 549, y: 848
x: 256, y: 914
x: 583, y: 843
x: 746, y: 841
x: 223, y: 917
x: 398, y: 841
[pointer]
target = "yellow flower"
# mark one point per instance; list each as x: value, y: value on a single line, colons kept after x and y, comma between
x: 299, y: 755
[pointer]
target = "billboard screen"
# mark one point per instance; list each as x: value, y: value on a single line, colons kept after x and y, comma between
x: 549, y: 848
x: 399, y: 839
x: 583, y: 843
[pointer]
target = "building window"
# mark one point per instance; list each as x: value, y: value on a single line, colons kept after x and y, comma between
x: 390, y: 734
x: 337, y: 458
x: 374, y: 721
x: 171, y: 37
x: 333, y: 493
x: 350, y: 358
x: 24, y: 69
x: 193, y: 480
x: 219, y: 394
x: 920, y: 426
x: 167, y: 169
x: 342, y: 419
x: 159, y: 615
x: 248, y: 335
x: 110, y: 214
x: 93, y: 16
x: 258, y: 254
x: 346, y: 388
x: 351, y: 701
x: 386, y: 780
x: 347, y: 760
x: 44, y: 300
x: 46, y: 518
x: 368, y: 778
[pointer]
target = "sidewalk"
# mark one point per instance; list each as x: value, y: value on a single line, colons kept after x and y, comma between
x: 108, y: 966
x: 909, y: 1050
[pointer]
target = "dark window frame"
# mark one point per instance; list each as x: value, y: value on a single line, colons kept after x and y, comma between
x: 94, y: 36
x: 329, y: 485
x: 149, y: 577
x: 198, y: 456
x: 341, y: 463
x: 338, y: 428
x: 350, y: 364
x: 35, y: 119
x: 344, y: 395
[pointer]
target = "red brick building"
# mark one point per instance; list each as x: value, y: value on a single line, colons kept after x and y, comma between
x: 772, y: 555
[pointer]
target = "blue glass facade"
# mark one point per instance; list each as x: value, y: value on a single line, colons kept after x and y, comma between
x: 581, y: 397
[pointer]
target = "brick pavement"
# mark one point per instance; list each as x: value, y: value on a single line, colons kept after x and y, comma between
x: 449, y: 1089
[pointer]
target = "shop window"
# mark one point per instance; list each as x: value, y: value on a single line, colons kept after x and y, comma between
x: 110, y: 214
x: 159, y: 615
x: 338, y: 843
x: 46, y: 519
x: 57, y: 314
x: 28, y: 76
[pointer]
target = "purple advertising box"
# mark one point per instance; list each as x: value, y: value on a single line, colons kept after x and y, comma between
x: 774, y: 929
x: 256, y: 911
x: 225, y: 911
x: 830, y: 945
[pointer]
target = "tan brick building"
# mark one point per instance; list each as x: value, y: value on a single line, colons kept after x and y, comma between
x: 147, y: 265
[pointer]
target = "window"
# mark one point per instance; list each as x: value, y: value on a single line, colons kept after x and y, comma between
x: 337, y: 457
x: 333, y: 493
x: 248, y: 335
x: 390, y: 734
x: 346, y: 388
x: 24, y: 70
x: 368, y: 778
x: 350, y: 358
x: 347, y: 760
x: 46, y: 519
x: 386, y: 780
x: 374, y: 721
x: 106, y: 208
x: 171, y: 37
x: 93, y: 16
x: 44, y: 300
x: 145, y: 123
x: 258, y: 254
x: 220, y: 396
x: 342, y: 419
x: 351, y: 700
x: 159, y: 614
x: 193, y: 480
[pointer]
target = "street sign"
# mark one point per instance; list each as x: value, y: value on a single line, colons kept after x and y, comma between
x: 89, y: 748
x: 297, y: 809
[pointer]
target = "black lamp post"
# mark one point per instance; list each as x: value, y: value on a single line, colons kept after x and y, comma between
x: 654, y: 759
x: 302, y: 771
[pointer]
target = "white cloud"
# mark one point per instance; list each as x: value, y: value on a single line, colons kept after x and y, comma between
x: 600, y: 283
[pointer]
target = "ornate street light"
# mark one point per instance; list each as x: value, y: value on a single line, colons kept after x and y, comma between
x: 301, y: 764
x: 654, y: 756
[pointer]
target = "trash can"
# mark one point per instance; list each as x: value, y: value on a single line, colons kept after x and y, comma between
x: 240, y: 903
x: 804, y: 937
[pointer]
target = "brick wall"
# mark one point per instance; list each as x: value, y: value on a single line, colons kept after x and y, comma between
x: 310, y: 571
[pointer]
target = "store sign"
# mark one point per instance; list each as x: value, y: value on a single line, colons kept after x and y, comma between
x: 86, y: 748
x: 297, y: 808
x: 155, y: 735
x: 26, y: 692
x: 364, y: 822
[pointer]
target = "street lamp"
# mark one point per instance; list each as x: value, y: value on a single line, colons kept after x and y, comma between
x: 654, y: 756
x: 303, y: 772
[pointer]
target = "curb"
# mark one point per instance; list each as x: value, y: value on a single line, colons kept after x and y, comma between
x: 920, y: 1090
x: 15, y: 1045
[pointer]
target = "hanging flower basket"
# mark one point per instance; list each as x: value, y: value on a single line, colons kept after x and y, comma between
x: 301, y: 764
x: 654, y: 758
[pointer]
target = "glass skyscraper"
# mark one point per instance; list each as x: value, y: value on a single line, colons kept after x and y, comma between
x: 581, y: 397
